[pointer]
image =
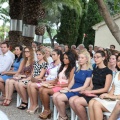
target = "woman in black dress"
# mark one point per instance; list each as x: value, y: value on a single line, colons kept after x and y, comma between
x: 101, y: 81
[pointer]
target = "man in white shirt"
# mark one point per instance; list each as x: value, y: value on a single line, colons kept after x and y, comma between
x: 5, y: 64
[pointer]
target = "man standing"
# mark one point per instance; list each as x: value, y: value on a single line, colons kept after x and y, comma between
x: 5, y: 64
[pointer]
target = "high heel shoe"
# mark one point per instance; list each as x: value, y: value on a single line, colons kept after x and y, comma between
x: 63, y: 118
x: 33, y: 111
x: 46, y: 115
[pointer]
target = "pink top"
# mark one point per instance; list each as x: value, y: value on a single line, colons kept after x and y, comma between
x: 62, y: 78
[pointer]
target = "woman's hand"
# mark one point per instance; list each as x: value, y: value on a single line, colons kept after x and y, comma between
x: 104, y: 95
x: 86, y: 92
x: 16, y: 75
x: 3, y: 73
x: 66, y: 88
x: 72, y: 90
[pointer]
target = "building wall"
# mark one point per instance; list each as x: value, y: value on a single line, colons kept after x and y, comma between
x: 104, y: 38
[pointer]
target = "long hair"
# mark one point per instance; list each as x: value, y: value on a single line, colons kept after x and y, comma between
x: 59, y: 52
x: 103, y: 55
x: 117, y: 60
x: 71, y: 65
x: 42, y: 51
x: 87, y: 55
x: 31, y: 55
x: 21, y: 54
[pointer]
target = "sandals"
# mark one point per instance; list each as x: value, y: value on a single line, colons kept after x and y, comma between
x: 7, y: 102
x: 45, y: 116
x: 23, y: 107
x: 63, y: 118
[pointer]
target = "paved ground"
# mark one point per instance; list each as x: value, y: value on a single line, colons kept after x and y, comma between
x: 14, y: 113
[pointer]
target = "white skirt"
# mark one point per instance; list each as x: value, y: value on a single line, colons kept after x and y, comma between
x: 109, y: 105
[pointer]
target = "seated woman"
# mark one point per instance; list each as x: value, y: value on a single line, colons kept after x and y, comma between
x: 101, y: 80
x: 107, y: 101
x: 39, y: 69
x: 81, y: 80
x: 25, y: 70
x: 48, y: 54
x: 51, y: 74
x: 9, y: 74
x: 112, y: 66
x: 66, y: 73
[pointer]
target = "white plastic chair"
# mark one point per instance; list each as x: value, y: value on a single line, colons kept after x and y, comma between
x: 51, y: 104
x: 19, y: 101
x: 107, y: 114
x: 55, y: 113
x: 75, y: 117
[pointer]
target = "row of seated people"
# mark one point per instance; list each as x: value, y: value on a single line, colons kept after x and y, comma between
x: 62, y: 80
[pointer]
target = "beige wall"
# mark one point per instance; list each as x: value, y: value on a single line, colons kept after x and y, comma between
x: 104, y: 38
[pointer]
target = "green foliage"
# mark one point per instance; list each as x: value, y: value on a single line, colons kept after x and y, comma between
x: 90, y: 17
x: 72, y: 4
x: 113, y: 6
x: 68, y: 30
x: 2, y: 32
x: 4, y: 14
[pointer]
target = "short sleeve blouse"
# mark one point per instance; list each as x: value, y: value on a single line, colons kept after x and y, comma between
x: 99, y: 77
x: 38, y: 67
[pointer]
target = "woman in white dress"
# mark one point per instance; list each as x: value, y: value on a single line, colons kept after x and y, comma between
x: 107, y: 101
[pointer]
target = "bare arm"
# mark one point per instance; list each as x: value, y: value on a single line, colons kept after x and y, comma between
x: 86, y: 85
x: 9, y: 72
x: 90, y: 87
x: 71, y: 83
x: 69, y: 79
x: 42, y: 73
x: 106, y: 87
x: 20, y: 67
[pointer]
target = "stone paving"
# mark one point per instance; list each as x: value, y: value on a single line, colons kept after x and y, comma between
x: 14, y: 113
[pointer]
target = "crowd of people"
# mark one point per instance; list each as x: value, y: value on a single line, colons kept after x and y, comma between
x: 83, y: 78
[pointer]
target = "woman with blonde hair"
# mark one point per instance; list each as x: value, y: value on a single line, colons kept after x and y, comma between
x: 81, y: 80
x: 48, y: 52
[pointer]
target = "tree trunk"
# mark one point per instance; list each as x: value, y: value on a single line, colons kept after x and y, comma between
x: 15, y: 12
x: 52, y: 39
x: 32, y: 12
x: 109, y: 20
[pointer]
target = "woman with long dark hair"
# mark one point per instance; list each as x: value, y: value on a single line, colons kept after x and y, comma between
x: 9, y: 74
x: 65, y: 76
x: 106, y: 101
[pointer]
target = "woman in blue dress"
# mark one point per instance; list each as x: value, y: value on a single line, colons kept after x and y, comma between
x: 9, y: 74
x: 81, y: 80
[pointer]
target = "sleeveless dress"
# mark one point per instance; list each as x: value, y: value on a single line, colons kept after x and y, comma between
x: 109, y: 105
x: 15, y: 68
x: 62, y: 80
x: 80, y: 77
